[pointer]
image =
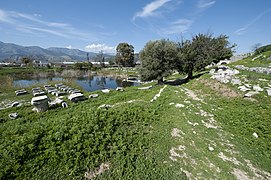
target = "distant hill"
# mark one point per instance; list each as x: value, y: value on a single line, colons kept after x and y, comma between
x: 13, y: 52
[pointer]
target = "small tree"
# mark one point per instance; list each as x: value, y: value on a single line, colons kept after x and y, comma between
x: 125, y: 55
x: 158, y: 58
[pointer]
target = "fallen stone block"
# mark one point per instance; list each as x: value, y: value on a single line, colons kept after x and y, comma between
x: 13, y: 115
x: 40, y: 103
x: 76, y: 97
x: 15, y: 104
x: 38, y: 93
x: 243, y: 88
x: 93, y: 96
x: 251, y: 93
x: 257, y: 88
x: 236, y: 82
x: 105, y: 90
x: 21, y: 92
x: 56, y: 102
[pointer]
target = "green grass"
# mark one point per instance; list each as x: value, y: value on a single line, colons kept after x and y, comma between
x: 135, y: 136
x: 4, y: 71
x: 258, y: 62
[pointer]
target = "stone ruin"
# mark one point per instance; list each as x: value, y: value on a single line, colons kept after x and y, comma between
x: 41, y: 103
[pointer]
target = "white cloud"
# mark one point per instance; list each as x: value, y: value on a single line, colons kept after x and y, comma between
x: 205, y: 3
x: 168, y: 23
x: 100, y: 47
x: 179, y: 26
x: 69, y: 47
x: 34, y: 25
x: 37, y: 15
x: 149, y: 9
x: 4, y: 17
x: 243, y: 29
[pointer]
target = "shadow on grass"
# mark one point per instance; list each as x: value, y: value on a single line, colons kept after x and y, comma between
x: 178, y: 82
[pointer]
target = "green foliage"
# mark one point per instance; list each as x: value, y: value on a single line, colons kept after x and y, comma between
x: 83, y: 66
x: 26, y: 60
x: 202, y: 50
x: 263, y: 49
x: 125, y: 55
x: 158, y: 58
x: 65, y: 144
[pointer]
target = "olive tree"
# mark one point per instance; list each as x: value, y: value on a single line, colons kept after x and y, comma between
x: 202, y: 50
x: 158, y: 58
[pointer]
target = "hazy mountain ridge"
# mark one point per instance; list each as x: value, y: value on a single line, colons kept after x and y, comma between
x: 13, y: 52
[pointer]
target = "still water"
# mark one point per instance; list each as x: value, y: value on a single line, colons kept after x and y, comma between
x: 92, y: 83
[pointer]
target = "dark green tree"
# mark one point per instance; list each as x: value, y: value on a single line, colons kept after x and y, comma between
x: 125, y: 55
x: 221, y: 48
x: 202, y: 50
x: 83, y: 66
x: 26, y: 60
x: 158, y: 60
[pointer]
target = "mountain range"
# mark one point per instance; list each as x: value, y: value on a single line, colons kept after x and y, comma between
x: 13, y: 52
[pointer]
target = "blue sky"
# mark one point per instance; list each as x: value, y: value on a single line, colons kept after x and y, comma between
x: 95, y: 25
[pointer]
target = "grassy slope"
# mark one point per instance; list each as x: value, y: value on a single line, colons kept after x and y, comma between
x: 135, y: 137
x: 253, y: 61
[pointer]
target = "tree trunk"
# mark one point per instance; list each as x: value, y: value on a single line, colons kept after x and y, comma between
x: 160, y: 81
x: 190, y: 74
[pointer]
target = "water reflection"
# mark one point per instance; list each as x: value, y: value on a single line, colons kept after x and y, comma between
x: 91, y: 83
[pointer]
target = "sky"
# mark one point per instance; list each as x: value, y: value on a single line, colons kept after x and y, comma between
x: 95, y: 25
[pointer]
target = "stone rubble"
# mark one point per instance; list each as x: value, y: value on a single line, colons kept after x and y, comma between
x: 225, y: 75
x: 262, y: 70
x: 13, y: 115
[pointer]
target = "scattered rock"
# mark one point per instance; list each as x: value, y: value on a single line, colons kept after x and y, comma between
x: 243, y: 88
x: 255, y: 135
x: 262, y: 70
x: 171, y: 103
x: 93, y: 96
x: 212, y: 71
x: 176, y: 132
x: 257, y: 88
x: 236, y: 81
x: 179, y: 105
x: 92, y: 174
x: 211, y: 148
x: 105, y: 90
x: 193, y: 124
x: 241, y: 175
x: 13, y: 115
x: 251, y: 93
x: 264, y: 80
x: 268, y: 92
x: 106, y: 106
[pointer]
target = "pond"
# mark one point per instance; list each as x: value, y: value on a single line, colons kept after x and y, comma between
x: 91, y: 83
